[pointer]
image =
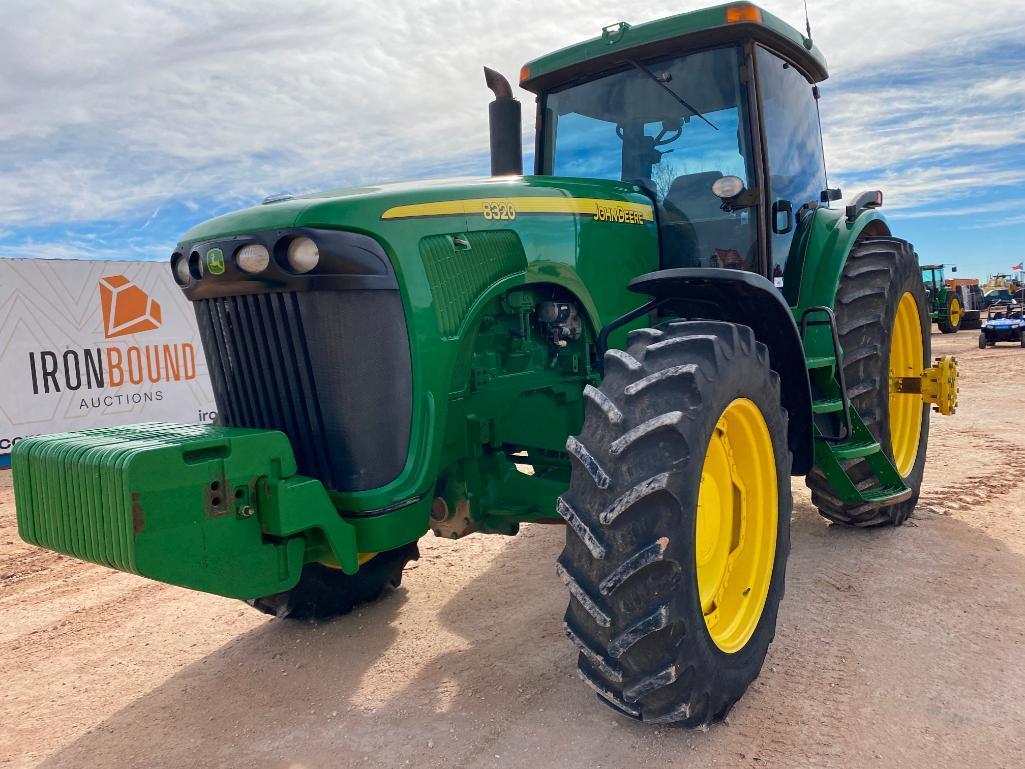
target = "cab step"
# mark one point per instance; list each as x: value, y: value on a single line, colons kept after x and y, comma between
x: 887, y: 495
x: 837, y: 450
x: 855, y: 449
x: 827, y: 405
x: 834, y: 460
x: 821, y: 361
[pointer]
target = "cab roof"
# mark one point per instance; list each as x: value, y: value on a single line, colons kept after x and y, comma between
x: 718, y: 25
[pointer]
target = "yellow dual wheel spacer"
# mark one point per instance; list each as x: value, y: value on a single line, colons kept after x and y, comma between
x: 735, y: 531
x: 940, y: 385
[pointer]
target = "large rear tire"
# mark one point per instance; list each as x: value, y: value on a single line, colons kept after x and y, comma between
x: 883, y: 321
x: 679, y: 522
x: 324, y: 592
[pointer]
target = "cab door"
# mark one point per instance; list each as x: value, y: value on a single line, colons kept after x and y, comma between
x: 793, y: 151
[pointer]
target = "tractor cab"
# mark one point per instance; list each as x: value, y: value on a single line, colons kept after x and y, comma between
x: 718, y: 125
x: 933, y: 277
x: 934, y: 280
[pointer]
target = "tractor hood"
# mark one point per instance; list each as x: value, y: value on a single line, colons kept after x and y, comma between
x: 371, y: 332
x: 366, y: 209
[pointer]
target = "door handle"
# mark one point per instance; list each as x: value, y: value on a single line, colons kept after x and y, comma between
x: 782, y: 207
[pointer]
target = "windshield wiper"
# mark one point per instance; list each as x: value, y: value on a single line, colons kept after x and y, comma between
x: 670, y: 91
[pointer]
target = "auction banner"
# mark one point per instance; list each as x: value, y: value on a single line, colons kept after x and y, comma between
x: 96, y: 344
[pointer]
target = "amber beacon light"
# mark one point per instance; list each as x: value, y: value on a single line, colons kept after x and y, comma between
x: 739, y: 13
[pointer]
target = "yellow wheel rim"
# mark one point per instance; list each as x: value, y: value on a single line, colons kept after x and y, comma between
x: 906, y: 354
x: 735, y: 531
x: 955, y: 311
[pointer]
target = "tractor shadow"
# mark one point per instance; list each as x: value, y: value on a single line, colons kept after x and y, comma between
x: 881, y: 624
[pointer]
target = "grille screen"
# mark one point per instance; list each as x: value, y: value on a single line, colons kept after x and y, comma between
x: 328, y: 369
x: 457, y: 278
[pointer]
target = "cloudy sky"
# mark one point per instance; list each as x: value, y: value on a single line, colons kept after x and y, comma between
x: 124, y: 122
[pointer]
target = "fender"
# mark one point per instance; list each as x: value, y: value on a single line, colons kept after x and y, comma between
x: 816, y: 262
x: 821, y: 249
x: 748, y: 299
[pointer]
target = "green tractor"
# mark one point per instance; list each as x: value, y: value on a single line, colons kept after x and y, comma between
x: 947, y: 308
x: 645, y: 341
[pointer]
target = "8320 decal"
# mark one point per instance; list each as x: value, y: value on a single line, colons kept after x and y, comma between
x: 498, y: 210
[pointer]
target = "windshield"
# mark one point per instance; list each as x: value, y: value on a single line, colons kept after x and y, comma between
x: 673, y: 126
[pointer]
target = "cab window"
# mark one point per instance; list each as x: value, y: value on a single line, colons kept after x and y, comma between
x: 672, y: 126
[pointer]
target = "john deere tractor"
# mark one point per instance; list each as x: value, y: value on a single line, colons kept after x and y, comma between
x: 645, y: 340
x: 947, y: 308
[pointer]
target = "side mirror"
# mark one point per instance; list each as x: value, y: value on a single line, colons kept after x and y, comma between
x: 953, y: 269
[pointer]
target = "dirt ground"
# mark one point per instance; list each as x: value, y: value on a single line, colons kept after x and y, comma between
x: 896, y: 648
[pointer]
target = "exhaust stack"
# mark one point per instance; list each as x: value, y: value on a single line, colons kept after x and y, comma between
x: 504, y: 124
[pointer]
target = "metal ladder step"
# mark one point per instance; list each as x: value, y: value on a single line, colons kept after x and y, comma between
x: 822, y: 361
x: 887, y: 495
x: 827, y: 405
x: 853, y: 440
x: 855, y: 449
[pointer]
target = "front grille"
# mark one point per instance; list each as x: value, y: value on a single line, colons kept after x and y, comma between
x: 328, y: 369
x: 261, y: 370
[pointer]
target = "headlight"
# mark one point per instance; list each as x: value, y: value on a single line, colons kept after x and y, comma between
x: 303, y: 254
x: 180, y: 269
x: 252, y: 258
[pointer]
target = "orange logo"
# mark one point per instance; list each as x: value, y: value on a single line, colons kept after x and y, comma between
x: 127, y: 309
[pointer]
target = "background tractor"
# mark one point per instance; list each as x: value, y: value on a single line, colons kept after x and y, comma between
x: 951, y: 304
x: 644, y: 340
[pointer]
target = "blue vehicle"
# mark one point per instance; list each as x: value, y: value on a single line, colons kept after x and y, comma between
x: 1004, y: 323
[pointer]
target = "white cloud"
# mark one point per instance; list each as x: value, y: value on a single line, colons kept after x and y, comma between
x: 996, y: 207
x: 916, y: 187
x: 77, y: 247
x: 113, y: 110
x: 1011, y: 221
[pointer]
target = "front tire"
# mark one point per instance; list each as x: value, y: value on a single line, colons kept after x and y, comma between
x: 679, y: 522
x: 324, y: 592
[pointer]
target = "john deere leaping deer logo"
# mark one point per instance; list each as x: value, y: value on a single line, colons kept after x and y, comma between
x: 127, y: 309
x: 215, y: 261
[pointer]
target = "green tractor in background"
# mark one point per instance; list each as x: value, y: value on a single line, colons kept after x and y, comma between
x: 948, y: 308
x: 644, y: 341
